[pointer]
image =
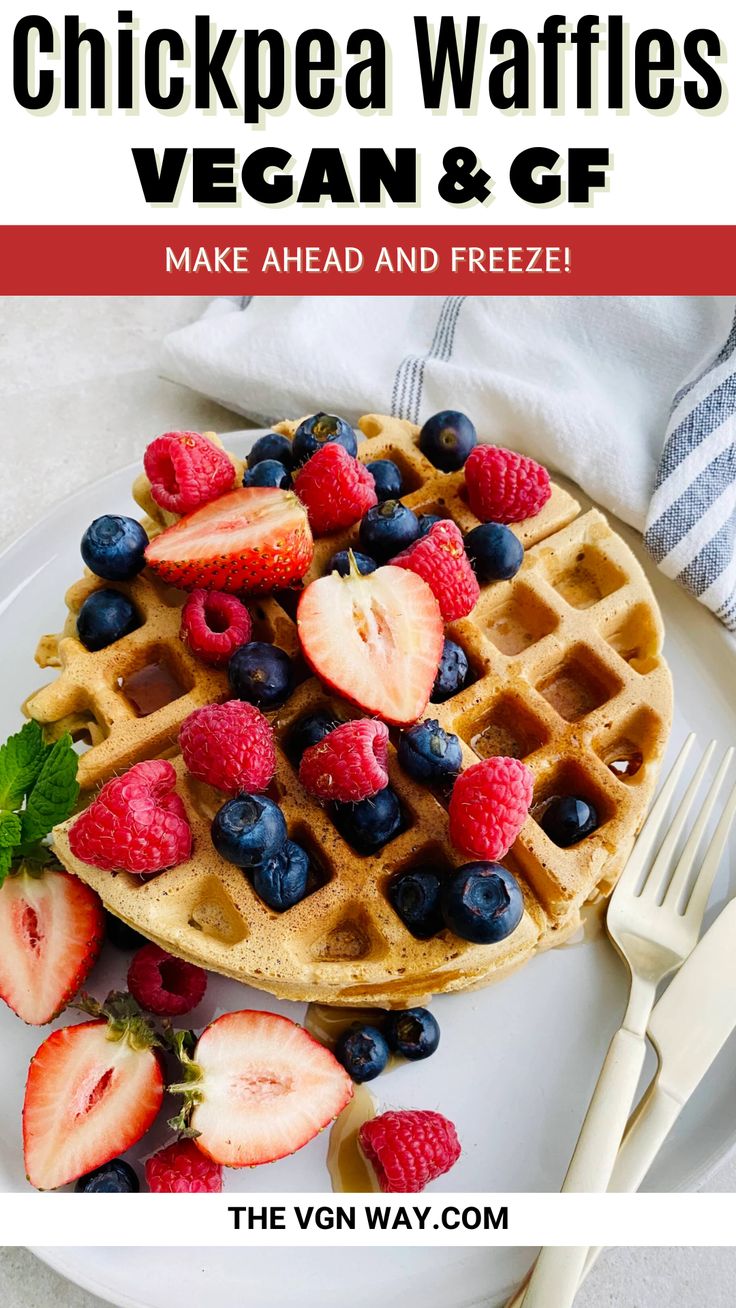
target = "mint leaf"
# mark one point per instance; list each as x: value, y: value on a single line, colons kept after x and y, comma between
x: 6, y: 858
x: 10, y: 830
x: 54, y: 793
x: 21, y: 760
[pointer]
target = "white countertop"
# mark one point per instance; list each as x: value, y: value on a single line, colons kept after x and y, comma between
x: 80, y: 397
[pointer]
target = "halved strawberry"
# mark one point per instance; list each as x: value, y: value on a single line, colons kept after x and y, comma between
x: 253, y: 540
x: 51, y: 930
x: 376, y: 639
x: 258, y: 1087
x: 92, y: 1091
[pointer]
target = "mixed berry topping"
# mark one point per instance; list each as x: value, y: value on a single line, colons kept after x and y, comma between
x: 387, y: 479
x: 261, y: 673
x: 363, y: 1052
x: 568, y: 819
x: 214, y: 625
x: 440, y: 559
x: 495, y: 553
x: 482, y: 902
x: 229, y: 746
x: 113, y: 547
x: 106, y: 616
x: 136, y: 824
x: 349, y: 764
x: 182, y: 1168
x: 320, y: 430
x: 186, y: 470
x: 164, y: 985
x: 388, y: 529
x: 447, y: 438
x: 335, y: 488
x: 409, y: 1148
x: 504, y: 486
x: 489, y: 805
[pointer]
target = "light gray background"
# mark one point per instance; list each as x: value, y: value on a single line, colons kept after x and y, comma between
x: 80, y: 397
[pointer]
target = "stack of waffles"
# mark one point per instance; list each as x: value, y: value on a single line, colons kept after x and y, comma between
x: 566, y: 673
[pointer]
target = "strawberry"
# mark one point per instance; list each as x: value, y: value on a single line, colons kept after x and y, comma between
x: 253, y: 540
x: 92, y: 1091
x: 375, y: 639
x: 51, y: 930
x: 257, y: 1088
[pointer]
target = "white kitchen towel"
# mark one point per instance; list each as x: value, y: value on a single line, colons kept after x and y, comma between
x: 625, y: 395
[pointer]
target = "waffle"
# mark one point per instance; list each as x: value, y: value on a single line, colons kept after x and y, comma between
x: 567, y: 673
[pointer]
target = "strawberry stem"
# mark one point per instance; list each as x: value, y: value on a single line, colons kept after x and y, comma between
x: 183, y: 1044
x: 125, y: 1021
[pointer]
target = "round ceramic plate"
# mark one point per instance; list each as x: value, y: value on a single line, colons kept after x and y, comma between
x: 517, y: 1062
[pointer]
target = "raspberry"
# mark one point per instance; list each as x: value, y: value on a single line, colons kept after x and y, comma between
x: 163, y: 984
x: 214, y: 625
x: 335, y: 489
x: 504, y: 486
x: 409, y: 1148
x: 186, y: 470
x: 489, y: 805
x: 137, y: 823
x: 349, y: 764
x: 230, y: 746
x: 439, y: 558
x: 182, y: 1168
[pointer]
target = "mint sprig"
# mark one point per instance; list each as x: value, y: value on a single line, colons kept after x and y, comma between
x: 38, y: 789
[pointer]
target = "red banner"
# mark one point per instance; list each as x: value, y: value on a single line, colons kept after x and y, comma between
x: 330, y: 260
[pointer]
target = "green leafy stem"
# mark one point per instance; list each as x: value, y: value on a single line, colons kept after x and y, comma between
x: 38, y: 789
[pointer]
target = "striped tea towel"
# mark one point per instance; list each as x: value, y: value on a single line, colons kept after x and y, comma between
x: 584, y: 385
x: 691, y: 524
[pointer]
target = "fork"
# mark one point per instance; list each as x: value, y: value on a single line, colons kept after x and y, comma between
x: 654, y: 930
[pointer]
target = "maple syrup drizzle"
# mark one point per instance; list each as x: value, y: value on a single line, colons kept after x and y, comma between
x: 150, y: 688
x: 350, y: 1173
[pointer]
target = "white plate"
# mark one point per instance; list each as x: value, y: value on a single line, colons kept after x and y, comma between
x: 537, y: 1039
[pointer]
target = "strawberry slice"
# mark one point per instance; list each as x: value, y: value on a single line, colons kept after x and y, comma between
x: 258, y: 1088
x: 251, y: 541
x: 92, y: 1091
x: 51, y: 931
x: 376, y: 639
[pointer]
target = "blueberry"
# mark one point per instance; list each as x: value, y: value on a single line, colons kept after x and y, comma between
x: 452, y: 673
x: 495, y: 552
x: 363, y: 1052
x: 115, y: 1177
x: 569, y: 819
x: 310, y: 731
x: 249, y: 830
x: 387, y: 529
x: 114, y: 548
x: 271, y: 447
x: 106, y: 616
x: 261, y: 674
x: 268, y: 472
x: 340, y: 562
x: 322, y: 429
x: 428, y: 753
x: 371, y: 823
x: 282, y: 881
x: 414, y: 1033
x: 482, y: 902
x: 427, y: 521
x: 416, y: 897
x: 447, y: 438
x: 387, y: 476
x: 121, y: 935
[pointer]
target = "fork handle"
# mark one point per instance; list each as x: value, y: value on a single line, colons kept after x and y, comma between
x: 557, y: 1273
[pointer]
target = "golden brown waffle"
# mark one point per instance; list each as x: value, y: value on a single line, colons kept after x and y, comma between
x: 567, y: 674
